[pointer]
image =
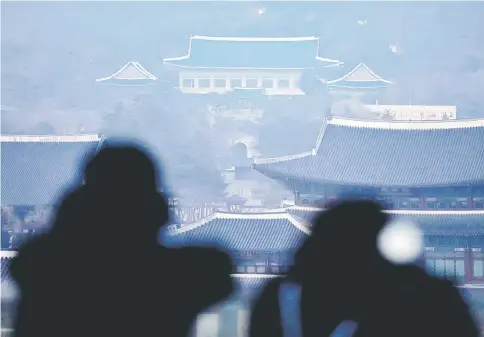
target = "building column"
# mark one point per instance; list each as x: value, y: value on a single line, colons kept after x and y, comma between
x: 468, y: 263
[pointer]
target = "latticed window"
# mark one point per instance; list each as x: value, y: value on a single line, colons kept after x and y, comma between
x: 478, y: 268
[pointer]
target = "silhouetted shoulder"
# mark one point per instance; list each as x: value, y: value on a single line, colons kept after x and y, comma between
x: 453, y: 308
x: 25, y: 267
x: 208, y: 272
x: 265, y: 317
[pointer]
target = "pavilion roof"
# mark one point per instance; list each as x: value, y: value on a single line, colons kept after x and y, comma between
x: 252, y: 53
x: 360, y: 77
x: 382, y: 153
x: 131, y: 74
x: 37, y: 170
x: 269, y: 231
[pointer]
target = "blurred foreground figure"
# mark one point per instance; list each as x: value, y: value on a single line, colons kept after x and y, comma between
x: 343, y: 278
x: 101, y: 272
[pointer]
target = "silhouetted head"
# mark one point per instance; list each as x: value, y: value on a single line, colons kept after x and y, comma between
x: 122, y: 184
x: 342, y: 236
x: 69, y: 218
x: 121, y: 168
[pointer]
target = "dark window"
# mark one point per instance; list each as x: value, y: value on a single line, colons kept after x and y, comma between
x: 442, y: 205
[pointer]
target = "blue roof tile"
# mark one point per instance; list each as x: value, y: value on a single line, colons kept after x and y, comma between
x: 441, y: 223
x: 379, y: 153
x: 244, y: 232
x: 37, y: 170
x: 252, y: 53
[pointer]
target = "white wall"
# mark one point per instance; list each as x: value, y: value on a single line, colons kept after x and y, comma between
x: 210, y: 76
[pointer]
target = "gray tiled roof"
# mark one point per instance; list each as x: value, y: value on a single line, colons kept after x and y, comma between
x: 458, y: 223
x: 389, y: 154
x: 218, y: 52
x: 38, y: 172
x: 245, y: 232
x: 5, y: 262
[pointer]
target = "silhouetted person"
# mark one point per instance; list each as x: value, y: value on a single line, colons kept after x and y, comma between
x: 100, y: 270
x: 343, y: 277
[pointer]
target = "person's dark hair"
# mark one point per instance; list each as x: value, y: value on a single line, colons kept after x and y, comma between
x: 353, y: 224
x: 123, y: 178
x: 117, y: 166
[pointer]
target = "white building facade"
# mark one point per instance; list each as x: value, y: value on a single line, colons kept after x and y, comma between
x: 271, y: 65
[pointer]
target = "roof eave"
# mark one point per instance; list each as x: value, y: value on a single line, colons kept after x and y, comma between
x: 233, y: 68
x: 267, y: 171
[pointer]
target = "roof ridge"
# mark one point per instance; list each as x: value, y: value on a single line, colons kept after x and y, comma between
x: 300, y: 224
x: 138, y: 67
x: 254, y: 39
x: 398, y: 211
x: 144, y: 71
x: 51, y: 139
x: 194, y: 225
x: 322, y: 132
x: 351, y: 72
x: 271, y: 160
x: 405, y: 125
x: 8, y: 254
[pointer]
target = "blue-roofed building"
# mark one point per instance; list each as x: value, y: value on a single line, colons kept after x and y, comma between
x: 131, y: 74
x: 37, y: 170
x: 359, y: 81
x: 224, y: 64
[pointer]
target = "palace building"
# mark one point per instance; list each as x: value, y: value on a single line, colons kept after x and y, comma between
x: 272, y: 66
x: 426, y: 172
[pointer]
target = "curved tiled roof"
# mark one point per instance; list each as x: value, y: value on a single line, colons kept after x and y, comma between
x: 131, y: 74
x: 251, y: 53
x: 360, y: 77
x: 442, y: 223
x: 36, y: 170
x: 245, y: 232
x: 379, y: 153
